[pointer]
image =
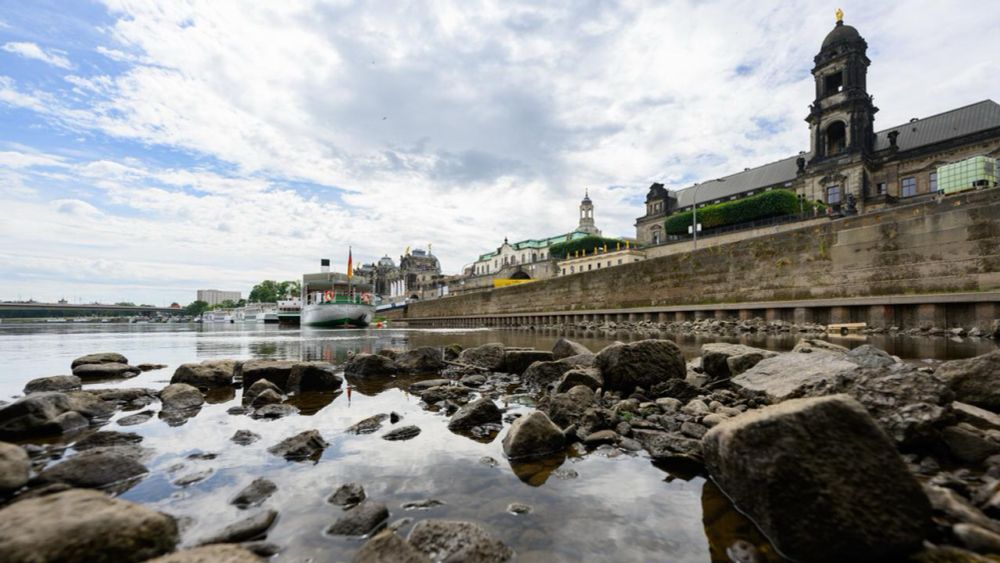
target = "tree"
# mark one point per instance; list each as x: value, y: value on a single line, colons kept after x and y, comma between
x: 125, y: 304
x: 227, y: 304
x: 196, y: 308
x: 270, y: 291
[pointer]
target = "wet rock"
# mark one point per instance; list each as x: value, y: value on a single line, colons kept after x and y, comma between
x: 361, y: 520
x: 254, y: 494
x: 668, y: 446
x: 313, y: 376
x: 251, y: 528
x: 950, y: 506
x: 543, y: 374
x: 518, y: 508
x: 721, y: 360
x: 677, y: 388
x: 977, y: 538
x: 245, y: 437
x: 99, y: 358
x: 127, y: 398
x: 970, y: 444
x: 277, y: 372
x: 107, y: 438
x: 422, y: 504
x: 478, y: 412
x: 533, y: 435
x: 15, y: 467
x: 487, y: 356
x: 871, y: 507
x: 444, y: 540
x: 181, y: 396
x: 40, y: 414
x: 600, y: 438
x: 421, y: 386
x: 266, y: 397
x: 105, y: 371
x: 811, y: 345
x: 347, y: 495
x: 517, y: 361
x: 206, y: 375
x: 83, y: 525
x: 565, y: 348
x: 975, y: 381
x: 394, y: 417
x: 96, y: 469
x: 258, y: 387
x: 369, y: 365
x: 261, y: 548
x: 473, y: 380
x: 53, y: 383
x: 566, y: 408
x: 219, y: 553
x: 589, y: 377
x: 192, y: 478
x: 445, y: 393
x: 368, y: 425
x: 640, y: 364
x: 150, y: 367
x: 452, y: 352
x: 304, y: 445
x: 273, y: 412
x: 386, y: 547
x: 788, y: 375
x: 868, y: 356
x: 402, y: 433
x: 425, y: 359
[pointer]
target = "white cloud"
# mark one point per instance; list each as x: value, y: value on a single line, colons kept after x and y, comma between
x: 33, y: 51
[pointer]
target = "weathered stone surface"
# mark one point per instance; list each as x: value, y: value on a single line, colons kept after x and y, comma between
x: 533, y: 435
x: 565, y: 348
x: 304, y: 445
x: 83, y: 526
x: 721, y: 360
x: 40, y: 414
x: 266, y: 397
x: 347, y: 495
x: 314, y: 376
x: 444, y: 540
x: 517, y: 361
x: 864, y: 503
x: 219, y: 553
x: 977, y: 538
x: 421, y: 386
x: 53, y: 383
x: 250, y: 528
x: 275, y: 371
x: 786, y: 375
x: 15, y: 467
x: 589, y: 377
x: 425, y: 359
x: 980, y: 418
x: 363, y: 519
x: 478, y: 412
x: 668, y: 446
x: 206, y: 375
x: 368, y: 425
x: 402, y: 433
x: 811, y: 345
x: 868, y: 356
x: 387, y: 547
x: 543, y: 374
x: 254, y: 494
x: 126, y: 398
x: 258, y: 387
x: 370, y: 365
x: 181, y: 396
x: 245, y: 437
x: 488, y: 356
x: 99, y: 358
x: 274, y: 411
x: 95, y: 469
x: 975, y: 380
x: 644, y: 363
x: 445, y: 392
x: 106, y: 438
x: 105, y: 371
x: 566, y: 408
x: 970, y: 444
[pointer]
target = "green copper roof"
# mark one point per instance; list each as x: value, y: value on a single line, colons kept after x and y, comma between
x: 537, y: 243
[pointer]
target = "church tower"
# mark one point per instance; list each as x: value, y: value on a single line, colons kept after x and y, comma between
x: 841, y: 119
x: 587, y: 216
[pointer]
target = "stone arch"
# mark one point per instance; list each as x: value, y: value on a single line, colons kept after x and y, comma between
x: 835, y: 138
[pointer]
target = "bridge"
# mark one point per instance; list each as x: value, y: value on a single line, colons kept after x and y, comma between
x: 33, y: 309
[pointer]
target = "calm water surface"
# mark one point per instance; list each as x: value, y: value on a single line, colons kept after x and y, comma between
x: 595, y: 507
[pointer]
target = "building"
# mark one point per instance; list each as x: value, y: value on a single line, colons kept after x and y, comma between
x: 418, y: 272
x: 600, y: 260
x: 850, y: 166
x: 215, y: 296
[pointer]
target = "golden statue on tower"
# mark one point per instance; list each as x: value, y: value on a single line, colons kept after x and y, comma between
x: 840, y: 15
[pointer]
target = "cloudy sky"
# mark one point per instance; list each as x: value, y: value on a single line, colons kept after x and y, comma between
x: 148, y: 149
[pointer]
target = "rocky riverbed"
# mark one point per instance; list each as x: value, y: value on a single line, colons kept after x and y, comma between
x: 834, y: 454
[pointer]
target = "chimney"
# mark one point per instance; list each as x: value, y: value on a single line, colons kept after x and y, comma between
x: 324, y: 265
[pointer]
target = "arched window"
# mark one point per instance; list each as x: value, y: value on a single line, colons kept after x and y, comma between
x: 836, y: 138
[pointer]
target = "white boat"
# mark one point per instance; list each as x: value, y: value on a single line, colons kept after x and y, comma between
x: 217, y: 316
x: 289, y: 311
x: 55, y: 320
x: 332, y: 300
x: 269, y: 312
x: 249, y: 313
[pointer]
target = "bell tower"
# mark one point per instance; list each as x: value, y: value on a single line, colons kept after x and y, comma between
x: 842, y: 118
x: 587, y: 224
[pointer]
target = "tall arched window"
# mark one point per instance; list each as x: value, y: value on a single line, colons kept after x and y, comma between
x: 836, y: 138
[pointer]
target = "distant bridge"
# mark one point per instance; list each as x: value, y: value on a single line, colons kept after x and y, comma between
x: 76, y: 309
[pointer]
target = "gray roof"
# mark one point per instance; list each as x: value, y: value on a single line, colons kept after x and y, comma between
x: 959, y: 122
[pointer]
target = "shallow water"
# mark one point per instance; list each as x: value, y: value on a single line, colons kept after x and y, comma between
x: 595, y: 507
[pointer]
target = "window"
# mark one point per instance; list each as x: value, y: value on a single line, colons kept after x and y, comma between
x: 880, y: 188
x: 609, y: 263
x: 833, y: 195
x: 619, y: 261
x: 836, y: 138
x: 590, y: 266
x: 833, y: 83
x: 908, y: 187
x: 564, y: 271
x: 933, y: 182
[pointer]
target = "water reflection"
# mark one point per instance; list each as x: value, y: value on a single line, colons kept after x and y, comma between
x: 536, y: 472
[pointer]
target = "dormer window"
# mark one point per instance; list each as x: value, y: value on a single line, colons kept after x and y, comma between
x: 833, y: 83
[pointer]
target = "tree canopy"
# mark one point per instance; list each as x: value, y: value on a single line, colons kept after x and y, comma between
x: 196, y: 308
x: 270, y: 291
x: 586, y: 244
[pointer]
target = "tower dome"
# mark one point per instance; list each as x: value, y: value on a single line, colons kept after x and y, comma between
x: 842, y: 34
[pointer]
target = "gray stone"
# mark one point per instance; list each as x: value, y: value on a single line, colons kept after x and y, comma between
x: 370, y: 365
x: 721, y: 360
x: 96, y: 469
x: 590, y: 377
x: 181, y: 396
x: 314, y: 376
x: 251, y: 528
x: 192, y: 478
x: 258, y: 387
x: 816, y: 345
x: 640, y: 364
x: 81, y: 525
x: 974, y: 380
x: 15, y: 467
x: 980, y: 418
x: 977, y: 539
x: 533, y: 435
x: 969, y: 444
x: 421, y: 386
x: 387, y: 547
x: 99, y: 358
x: 126, y: 398
x: 864, y: 503
x: 402, y: 433
x: 245, y: 437
x: 218, y: 553
x: 266, y: 397
x: 601, y: 437
x: 53, y: 383
x: 254, y: 494
x: 868, y: 356
x: 274, y: 411
x: 276, y: 371
x: 361, y: 520
x: 445, y: 393
x: 40, y: 414
x: 478, y: 412
x: 106, y: 438
x: 787, y: 375
x: 304, y: 445
x: 517, y: 361
x: 956, y: 509
x: 347, y: 495
x: 425, y: 359
x: 542, y: 374
x: 206, y: 375
x: 565, y: 348
x: 443, y: 540
x: 668, y: 446
x: 105, y: 371
x: 368, y: 425
x: 487, y: 356
x: 566, y: 408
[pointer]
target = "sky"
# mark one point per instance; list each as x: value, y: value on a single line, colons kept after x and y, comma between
x: 149, y: 149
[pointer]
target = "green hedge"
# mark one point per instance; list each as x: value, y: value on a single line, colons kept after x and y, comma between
x: 774, y: 203
x: 587, y: 244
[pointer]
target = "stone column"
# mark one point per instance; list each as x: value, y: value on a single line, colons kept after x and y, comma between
x: 699, y: 315
x: 986, y: 313
x: 802, y: 315
x: 772, y: 314
x: 880, y: 316
x: 663, y: 317
x: 931, y: 315
x: 840, y: 315
x: 680, y: 316
x: 721, y: 314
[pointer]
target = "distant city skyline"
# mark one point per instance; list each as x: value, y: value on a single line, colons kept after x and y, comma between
x: 148, y: 150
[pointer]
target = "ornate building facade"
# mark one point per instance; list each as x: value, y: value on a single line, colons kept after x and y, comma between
x: 418, y: 271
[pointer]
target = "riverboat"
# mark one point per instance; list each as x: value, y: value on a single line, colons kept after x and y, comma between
x: 333, y: 300
x: 289, y: 311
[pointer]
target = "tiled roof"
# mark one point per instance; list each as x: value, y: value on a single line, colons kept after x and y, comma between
x: 537, y: 243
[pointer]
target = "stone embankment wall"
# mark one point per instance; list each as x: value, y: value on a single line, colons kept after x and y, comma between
x: 931, y: 247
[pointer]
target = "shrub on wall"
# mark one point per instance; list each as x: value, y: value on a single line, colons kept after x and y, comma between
x: 774, y: 203
x: 585, y: 244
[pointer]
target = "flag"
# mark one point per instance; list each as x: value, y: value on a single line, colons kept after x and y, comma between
x: 350, y: 264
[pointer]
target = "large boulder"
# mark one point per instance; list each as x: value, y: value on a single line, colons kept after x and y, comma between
x: 92, y: 372
x: 217, y: 553
x: 275, y: 371
x: 425, y: 359
x: 40, y: 414
x: 590, y: 377
x: 313, y: 376
x: 363, y: 519
x: 249, y: 528
x: 863, y: 502
x: 566, y: 408
x: 975, y: 380
x: 95, y: 469
x: 487, y: 356
x: 868, y: 356
x: 181, y: 396
x: 640, y: 364
x: 476, y: 413
x: 788, y: 375
x: 386, y: 547
x: 61, y: 383
x: 206, y: 375
x: 370, y: 365
x: 533, y: 435
x: 543, y: 374
x: 444, y: 540
x: 99, y: 358
x: 565, y: 348
x: 81, y: 525
x: 15, y: 467
x: 304, y: 445
x: 721, y: 360
x: 517, y: 361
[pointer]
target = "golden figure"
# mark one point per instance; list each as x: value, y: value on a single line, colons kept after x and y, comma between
x: 840, y: 15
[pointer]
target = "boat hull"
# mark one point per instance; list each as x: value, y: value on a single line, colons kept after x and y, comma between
x: 335, y: 315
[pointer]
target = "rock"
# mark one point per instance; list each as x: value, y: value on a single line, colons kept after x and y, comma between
x: 15, y: 467
x: 581, y: 360
x: 644, y: 364
x: 810, y: 345
x: 669, y: 404
x: 219, y: 553
x: 369, y: 365
x: 668, y: 446
x: 542, y: 374
x: 787, y: 375
x: 518, y: 508
x: 314, y: 376
x: 425, y: 359
x: 402, y: 433
x: 566, y: 408
x: 304, y: 445
x: 105, y: 371
x: 589, y: 377
x: 95, y: 469
x: 41, y: 414
x: 274, y: 411
x: 80, y: 525
x: 387, y: 547
x: 368, y: 425
x: 956, y: 509
x: 361, y: 520
x: 347, y: 495
x: 107, y: 438
x: 275, y: 371
x: 565, y: 348
x: 245, y: 437
x: 445, y: 393
x: 150, y: 367
x: 868, y: 356
x: 421, y: 386
x: 206, y: 375
x: 977, y: 538
x: 452, y: 352
x: 99, y: 358
x: 126, y: 398
x: 974, y: 380
x: 266, y: 397
x: 487, y: 356
x: 864, y: 503
x: 54, y: 383
x: 517, y: 361
x: 254, y: 494
x: 258, y: 387
x: 251, y: 528
x: 181, y: 396
x: 192, y: 478
x: 980, y: 418
x: 478, y: 412
x: 601, y: 437
x: 473, y: 380
x: 721, y: 360
x: 533, y: 435
x: 261, y: 548
x: 969, y: 444
x: 678, y: 389
x: 422, y: 504
x: 443, y: 540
